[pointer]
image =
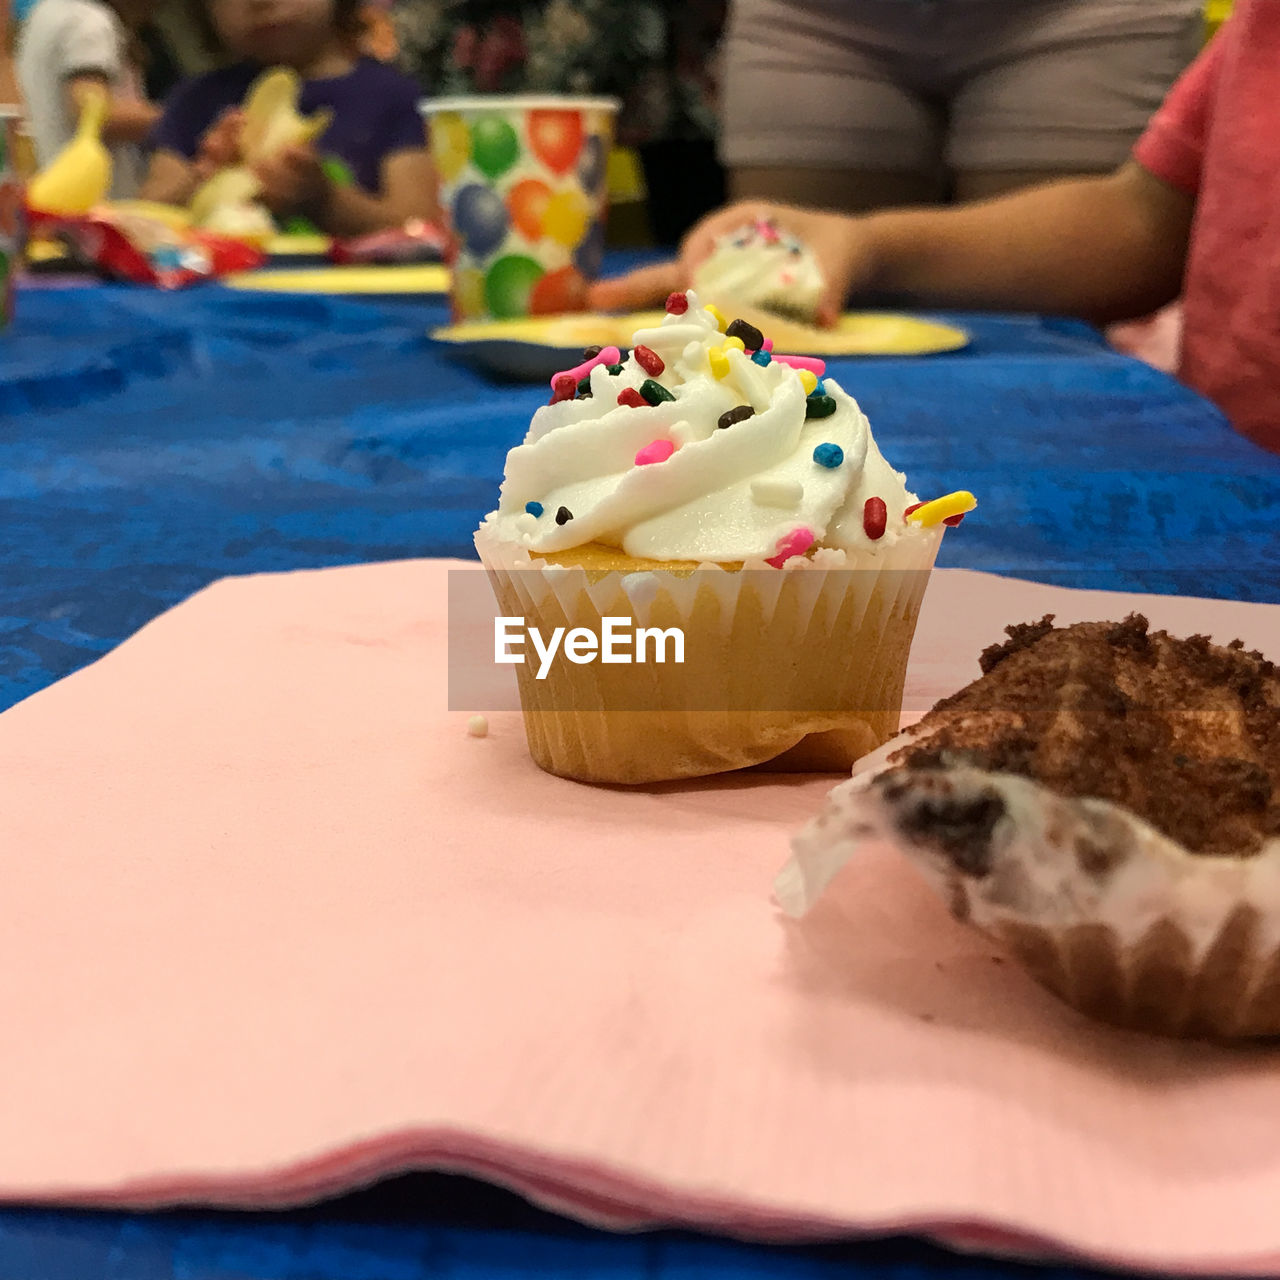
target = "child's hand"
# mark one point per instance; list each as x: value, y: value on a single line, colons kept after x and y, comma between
x: 220, y: 146
x: 293, y: 181
x: 841, y: 244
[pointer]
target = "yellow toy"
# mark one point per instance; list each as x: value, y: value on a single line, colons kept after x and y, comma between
x: 79, y: 176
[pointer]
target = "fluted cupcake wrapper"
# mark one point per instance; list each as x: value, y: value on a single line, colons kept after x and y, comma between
x: 1114, y: 917
x: 798, y: 668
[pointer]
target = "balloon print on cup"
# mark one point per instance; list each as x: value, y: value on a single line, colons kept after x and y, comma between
x: 522, y: 186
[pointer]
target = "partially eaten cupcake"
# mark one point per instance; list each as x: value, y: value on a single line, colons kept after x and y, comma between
x: 1105, y: 801
x: 760, y: 265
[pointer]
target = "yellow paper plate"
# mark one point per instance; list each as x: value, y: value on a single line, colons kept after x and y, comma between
x: 538, y: 347
x: 298, y: 246
x: 381, y: 282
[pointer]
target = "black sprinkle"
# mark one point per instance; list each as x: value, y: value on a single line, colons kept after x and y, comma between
x: 584, y: 387
x: 590, y: 353
x: 654, y: 392
x: 564, y: 515
x: 751, y: 337
x: 819, y: 407
x: 613, y: 370
x: 732, y: 416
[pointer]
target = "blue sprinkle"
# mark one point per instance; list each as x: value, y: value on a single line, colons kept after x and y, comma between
x: 533, y: 508
x: 820, y: 389
x: 761, y: 358
x: 828, y: 455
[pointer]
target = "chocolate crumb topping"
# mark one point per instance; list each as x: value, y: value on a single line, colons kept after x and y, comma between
x: 1184, y: 733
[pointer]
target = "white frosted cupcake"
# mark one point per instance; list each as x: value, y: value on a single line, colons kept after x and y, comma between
x: 759, y: 265
x: 707, y: 484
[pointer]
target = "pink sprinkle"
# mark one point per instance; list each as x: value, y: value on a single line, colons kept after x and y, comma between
x: 767, y: 231
x: 658, y: 451
x: 812, y: 363
x: 610, y: 355
x: 795, y: 543
x: 768, y: 344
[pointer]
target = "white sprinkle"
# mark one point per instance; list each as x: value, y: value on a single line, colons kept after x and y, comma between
x: 477, y: 727
x: 777, y: 493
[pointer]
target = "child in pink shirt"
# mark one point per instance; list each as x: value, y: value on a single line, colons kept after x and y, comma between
x: 1196, y: 211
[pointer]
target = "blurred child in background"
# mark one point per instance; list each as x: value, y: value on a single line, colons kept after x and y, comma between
x: 69, y: 49
x: 368, y: 172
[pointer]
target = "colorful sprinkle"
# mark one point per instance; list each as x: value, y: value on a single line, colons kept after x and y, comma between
x: 654, y: 392
x: 731, y: 417
x: 564, y: 386
x: 819, y: 389
x: 590, y: 353
x: 762, y: 358
x: 736, y: 343
x: 602, y: 356
x: 584, y: 388
x: 828, y: 455
x: 649, y: 360
x: 630, y: 396
x: 951, y: 504
x: 477, y: 727
x: 953, y: 521
x: 717, y: 315
x: 767, y: 231
x: 658, y: 451
x: 875, y: 518
x: 767, y: 345
x: 812, y: 363
x: 677, y: 304
x: 809, y: 381
x: 564, y: 515
x: 719, y: 362
x: 752, y: 338
x: 613, y: 369
x: 915, y: 506
x: 795, y: 543
x: 533, y: 508
x: 819, y: 407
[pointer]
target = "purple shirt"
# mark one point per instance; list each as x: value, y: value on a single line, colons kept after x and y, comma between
x: 375, y: 114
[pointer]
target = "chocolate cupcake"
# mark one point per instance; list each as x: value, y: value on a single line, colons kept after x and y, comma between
x: 1105, y: 802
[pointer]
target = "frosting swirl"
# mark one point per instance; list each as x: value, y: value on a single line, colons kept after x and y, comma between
x: 685, y: 472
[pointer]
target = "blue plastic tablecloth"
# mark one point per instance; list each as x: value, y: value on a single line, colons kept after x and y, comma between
x: 150, y: 444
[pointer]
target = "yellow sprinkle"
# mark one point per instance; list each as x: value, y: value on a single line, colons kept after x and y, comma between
x: 808, y: 380
x: 736, y: 343
x: 935, y: 512
x: 719, y: 362
x: 721, y: 323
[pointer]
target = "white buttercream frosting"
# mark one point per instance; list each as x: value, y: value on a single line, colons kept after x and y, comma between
x: 762, y: 266
x: 724, y: 494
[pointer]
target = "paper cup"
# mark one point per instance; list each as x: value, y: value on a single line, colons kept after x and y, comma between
x: 521, y: 183
x: 11, y: 220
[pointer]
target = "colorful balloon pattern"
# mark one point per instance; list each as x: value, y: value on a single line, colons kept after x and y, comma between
x: 527, y: 219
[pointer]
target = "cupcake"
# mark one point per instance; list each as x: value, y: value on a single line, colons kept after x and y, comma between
x: 1104, y: 803
x: 706, y: 486
x: 759, y: 265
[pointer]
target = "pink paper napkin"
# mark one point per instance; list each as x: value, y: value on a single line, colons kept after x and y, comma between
x: 273, y: 925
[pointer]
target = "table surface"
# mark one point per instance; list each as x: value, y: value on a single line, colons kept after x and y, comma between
x: 151, y: 443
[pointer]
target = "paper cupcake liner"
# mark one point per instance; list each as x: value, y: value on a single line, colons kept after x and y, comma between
x: 800, y: 667
x: 1119, y: 920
